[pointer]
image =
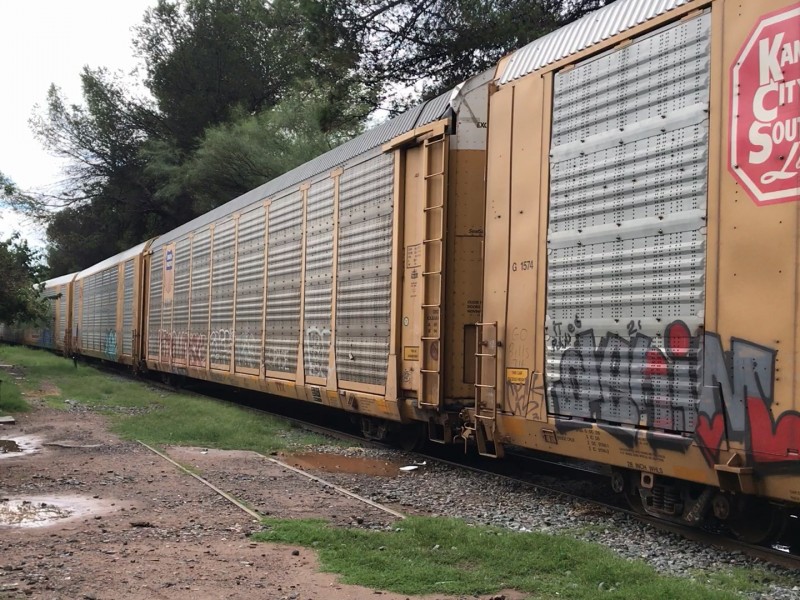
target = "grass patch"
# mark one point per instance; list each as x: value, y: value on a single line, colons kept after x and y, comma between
x: 11, y: 400
x: 744, y: 580
x: 194, y: 421
x: 141, y: 411
x: 447, y: 556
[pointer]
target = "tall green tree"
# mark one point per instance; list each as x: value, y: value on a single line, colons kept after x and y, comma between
x: 22, y: 274
x: 444, y: 42
x: 208, y: 58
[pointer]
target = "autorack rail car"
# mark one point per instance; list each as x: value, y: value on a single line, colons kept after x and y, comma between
x: 641, y: 296
x: 343, y: 281
x: 107, y: 307
x: 55, y: 330
x: 591, y: 250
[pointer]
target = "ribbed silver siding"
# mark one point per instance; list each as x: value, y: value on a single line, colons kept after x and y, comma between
x: 250, y: 289
x: 127, y: 310
x: 201, y: 265
x: 62, y: 329
x: 100, y: 312
x: 591, y: 29
x: 626, y: 231
x: 319, y: 278
x: 283, y: 291
x: 364, y: 272
x: 154, y: 304
x: 220, y: 339
x: 179, y: 335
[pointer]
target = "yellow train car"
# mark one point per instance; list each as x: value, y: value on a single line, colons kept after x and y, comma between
x: 107, y: 308
x: 352, y: 281
x: 54, y: 333
x: 641, y: 303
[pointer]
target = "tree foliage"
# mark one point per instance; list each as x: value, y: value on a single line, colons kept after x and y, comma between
x: 19, y: 295
x: 444, y: 42
x: 241, y: 91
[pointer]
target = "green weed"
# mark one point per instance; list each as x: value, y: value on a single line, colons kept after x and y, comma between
x: 447, y: 556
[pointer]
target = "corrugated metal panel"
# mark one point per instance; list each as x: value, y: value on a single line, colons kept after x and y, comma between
x: 198, y: 310
x: 76, y: 310
x: 154, y: 306
x: 626, y: 232
x: 114, y: 260
x: 179, y: 334
x: 63, y: 322
x: 435, y: 109
x: 250, y: 289
x: 359, y: 148
x: 57, y: 281
x: 100, y: 312
x: 283, y: 287
x: 364, y: 272
x: 220, y: 337
x: 127, y: 310
x: 319, y: 278
x: 579, y: 35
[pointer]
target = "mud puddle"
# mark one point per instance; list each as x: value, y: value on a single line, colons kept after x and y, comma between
x: 9, y: 446
x: 19, y: 445
x: 334, y: 463
x: 42, y: 511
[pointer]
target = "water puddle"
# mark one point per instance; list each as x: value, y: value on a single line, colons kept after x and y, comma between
x: 20, y: 445
x: 42, y: 511
x: 335, y: 463
x: 9, y: 446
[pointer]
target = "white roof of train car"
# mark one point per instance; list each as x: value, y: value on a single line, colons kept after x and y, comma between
x: 590, y: 29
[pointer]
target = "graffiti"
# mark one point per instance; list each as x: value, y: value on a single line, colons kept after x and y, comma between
x: 220, y: 346
x: 198, y: 349
x: 517, y: 397
x: 317, y: 348
x: 110, y: 344
x: 687, y: 385
x: 773, y: 443
x: 46, y: 338
x: 563, y: 335
x: 180, y: 345
x: 247, y: 351
x: 164, y: 345
x: 278, y: 359
x: 630, y: 380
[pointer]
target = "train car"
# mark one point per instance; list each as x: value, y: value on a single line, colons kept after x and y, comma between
x: 107, y: 308
x: 641, y: 297
x: 352, y: 281
x: 53, y: 332
x: 58, y: 291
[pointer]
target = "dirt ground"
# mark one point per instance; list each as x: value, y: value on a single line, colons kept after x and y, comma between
x: 85, y: 515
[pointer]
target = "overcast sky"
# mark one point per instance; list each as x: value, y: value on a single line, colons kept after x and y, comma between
x: 44, y: 42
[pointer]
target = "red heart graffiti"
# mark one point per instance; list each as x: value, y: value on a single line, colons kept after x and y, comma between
x: 709, y: 434
x: 771, y: 441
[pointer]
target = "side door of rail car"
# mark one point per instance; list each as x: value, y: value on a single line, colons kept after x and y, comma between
x: 627, y: 231
x: 421, y: 184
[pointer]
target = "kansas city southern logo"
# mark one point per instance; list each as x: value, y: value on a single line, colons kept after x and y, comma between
x: 765, y: 110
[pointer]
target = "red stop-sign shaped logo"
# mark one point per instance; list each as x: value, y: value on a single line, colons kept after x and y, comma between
x: 765, y: 110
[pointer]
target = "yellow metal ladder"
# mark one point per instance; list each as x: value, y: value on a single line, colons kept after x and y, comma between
x: 434, y: 165
x: 485, y: 423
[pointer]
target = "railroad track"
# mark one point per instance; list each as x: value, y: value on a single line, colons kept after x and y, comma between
x: 526, y: 469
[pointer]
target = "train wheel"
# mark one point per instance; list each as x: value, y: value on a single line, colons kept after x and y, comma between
x: 635, y: 502
x: 412, y: 437
x: 758, y: 523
